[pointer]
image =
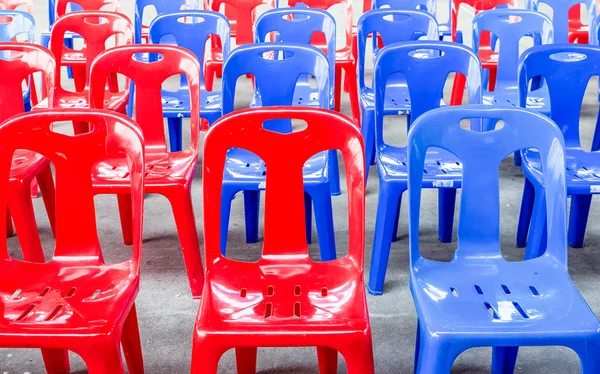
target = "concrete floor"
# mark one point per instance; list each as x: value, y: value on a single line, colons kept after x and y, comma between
x: 167, y: 313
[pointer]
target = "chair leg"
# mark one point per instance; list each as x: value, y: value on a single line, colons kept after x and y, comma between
x: 56, y: 361
x: 596, y: 139
x: 132, y: 345
x: 492, y: 79
x: 69, y: 44
x: 324, y: 222
x: 537, y: 228
x: 359, y: 356
x: 10, y: 231
x: 308, y: 217
x: 21, y: 209
x: 175, y: 133
x: 525, y: 214
x: 103, y: 359
x: 124, y: 201
x: 353, y: 92
x: 129, y: 107
x: 251, y: 214
x: 580, y: 211
x: 588, y: 356
x: 458, y: 89
x: 446, y: 205
x: 517, y: 158
x: 337, y: 94
x: 368, y: 133
x: 245, y: 360
x: 183, y: 211
x: 79, y: 78
x: 226, y: 197
x: 328, y: 360
x: 504, y: 359
x: 334, y: 174
x: 417, y: 346
x: 396, y: 223
x: 206, y: 354
x: 434, y: 357
x: 387, y: 206
x: 46, y: 183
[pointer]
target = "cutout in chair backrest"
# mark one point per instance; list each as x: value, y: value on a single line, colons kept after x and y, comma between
x: 561, y: 11
x: 481, y: 153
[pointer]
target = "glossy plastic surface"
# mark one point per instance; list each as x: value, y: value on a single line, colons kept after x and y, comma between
x: 486, y: 41
x: 74, y: 301
x: 95, y: 36
x: 15, y: 4
x: 284, y: 299
x: 19, y: 61
x: 479, y: 299
x: 432, y: 61
x: 509, y: 26
x: 561, y: 13
x: 579, y: 32
x: 191, y: 35
x: 566, y: 69
x: 345, y: 60
x: 245, y: 171
x: 390, y: 26
x: 16, y: 23
x: 160, y: 6
x: 167, y: 173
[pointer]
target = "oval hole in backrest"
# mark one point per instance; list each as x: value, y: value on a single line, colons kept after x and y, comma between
x: 396, y: 17
x: 147, y: 58
x: 296, y: 17
x: 95, y: 20
x: 510, y: 19
x: 6, y: 19
x: 568, y: 57
x: 191, y: 19
x: 276, y: 54
x: 285, y: 125
x: 426, y: 54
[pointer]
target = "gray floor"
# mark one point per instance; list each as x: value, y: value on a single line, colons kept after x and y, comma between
x: 166, y: 311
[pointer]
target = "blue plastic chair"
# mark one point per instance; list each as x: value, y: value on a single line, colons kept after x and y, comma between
x: 480, y: 299
x: 509, y: 26
x: 426, y: 66
x: 18, y: 23
x: 391, y: 26
x: 567, y: 69
x: 245, y: 171
x: 560, y: 15
x: 191, y: 35
x: 297, y: 25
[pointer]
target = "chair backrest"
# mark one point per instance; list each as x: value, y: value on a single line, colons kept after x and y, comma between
x: 275, y: 79
x: 478, y: 6
x: 148, y: 79
x: 161, y: 7
x: 429, y: 6
x: 192, y: 35
x: 426, y: 66
x: 15, y: 4
x: 58, y: 8
x: 560, y: 14
x: 244, y: 17
x: 73, y: 157
x: 480, y: 154
x: 566, y: 70
x: 509, y: 26
x: 595, y: 31
x: 392, y: 26
x: 297, y: 25
x: 326, y: 5
x: 94, y: 33
x: 18, y: 62
x: 325, y: 130
x: 16, y: 22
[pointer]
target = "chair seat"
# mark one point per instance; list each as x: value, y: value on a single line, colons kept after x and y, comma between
x: 538, y: 100
x: 87, y: 299
x: 582, y: 174
x: 242, y: 166
x: 488, y: 299
x: 442, y: 168
x: 163, y: 169
x: 177, y: 104
x: 489, y: 58
x: 113, y: 101
x: 26, y: 163
x: 275, y: 299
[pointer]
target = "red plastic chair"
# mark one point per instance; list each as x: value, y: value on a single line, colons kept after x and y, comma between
x: 167, y: 173
x: 95, y: 36
x: 74, y: 302
x: 27, y: 166
x: 489, y: 58
x: 345, y: 58
x: 14, y: 4
x: 241, y: 15
x: 284, y: 299
x: 578, y: 31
